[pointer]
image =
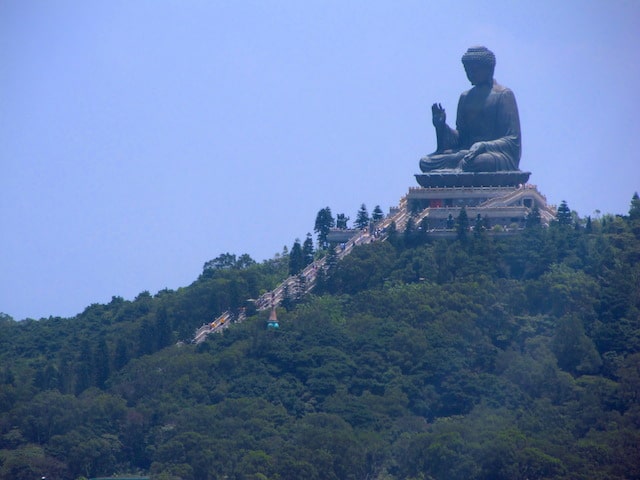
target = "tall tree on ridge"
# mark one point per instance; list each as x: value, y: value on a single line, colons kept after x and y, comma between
x: 324, y: 223
x: 377, y: 214
x: 296, y: 258
x: 564, y: 214
x: 362, y: 219
x: 307, y: 250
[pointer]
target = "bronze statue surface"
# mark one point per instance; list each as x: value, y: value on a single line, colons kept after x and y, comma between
x: 487, y: 134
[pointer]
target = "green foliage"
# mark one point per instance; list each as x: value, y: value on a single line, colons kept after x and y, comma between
x: 462, y: 224
x: 362, y: 218
x: 323, y: 224
x: 296, y: 258
x: 377, y: 214
x: 534, y: 219
x: 411, y: 233
x: 482, y: 357
x: 634, y: 210
x: 307, y: 250
x: 563, y: 216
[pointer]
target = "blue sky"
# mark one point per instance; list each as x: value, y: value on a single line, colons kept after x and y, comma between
x: 140, y: 139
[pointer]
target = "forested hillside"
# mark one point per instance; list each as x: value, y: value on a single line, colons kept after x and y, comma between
x: 479, y: 357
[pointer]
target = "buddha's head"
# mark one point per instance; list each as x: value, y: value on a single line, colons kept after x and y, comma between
x: 479, y: 64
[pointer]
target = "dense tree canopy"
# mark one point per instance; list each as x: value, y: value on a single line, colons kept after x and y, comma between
x: 481, y: 357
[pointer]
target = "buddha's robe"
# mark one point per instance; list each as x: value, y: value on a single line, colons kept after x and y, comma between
x: 487, y: 114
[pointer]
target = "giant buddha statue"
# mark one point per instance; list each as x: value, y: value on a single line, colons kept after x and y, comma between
x: 487, y: 134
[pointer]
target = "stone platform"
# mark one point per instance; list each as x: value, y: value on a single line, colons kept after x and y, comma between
x: 504, y: 199
x: 470, y: 179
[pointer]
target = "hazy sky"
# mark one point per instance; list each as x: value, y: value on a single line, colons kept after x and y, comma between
x: 139, y: 139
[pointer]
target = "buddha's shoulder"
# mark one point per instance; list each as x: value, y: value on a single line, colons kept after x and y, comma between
x: 497, y: 88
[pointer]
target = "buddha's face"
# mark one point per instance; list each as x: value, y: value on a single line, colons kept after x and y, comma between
x: 478, y: 73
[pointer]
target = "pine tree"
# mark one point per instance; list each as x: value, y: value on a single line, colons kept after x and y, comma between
x: 462, y: 224
x: 634, y: 211
x: 634, y: 215
x: 377, y: 214
x: 564, y: 214
x: 301, y: 287
x: 296, y: 258
x: 362, y: 219
x: 324, y: 223
x: 307, y: 250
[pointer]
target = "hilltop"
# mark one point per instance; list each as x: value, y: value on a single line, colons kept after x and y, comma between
x: 474, y: 357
